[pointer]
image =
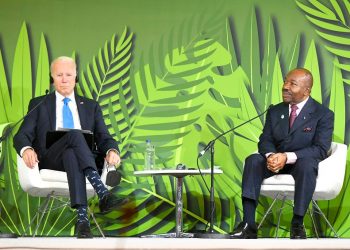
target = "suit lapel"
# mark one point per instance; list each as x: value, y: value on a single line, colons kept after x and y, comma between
x: 304, y: 115
x: 283, y: 119
x: 50, y: 104
x: 81, y: 111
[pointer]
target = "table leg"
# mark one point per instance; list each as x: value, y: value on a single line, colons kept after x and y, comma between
x: 179, y: 207
x: 178, y: 215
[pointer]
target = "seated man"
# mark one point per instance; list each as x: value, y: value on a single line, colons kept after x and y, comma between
x: 292, y: 146
x: 65, y: 109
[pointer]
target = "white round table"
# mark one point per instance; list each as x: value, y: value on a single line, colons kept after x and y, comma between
x: 179, y: 175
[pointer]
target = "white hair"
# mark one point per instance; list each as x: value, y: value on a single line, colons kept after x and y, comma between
x: 62, y: 58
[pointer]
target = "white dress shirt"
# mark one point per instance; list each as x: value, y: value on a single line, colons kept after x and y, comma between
x: 72, y: 106
x: 291, y: 156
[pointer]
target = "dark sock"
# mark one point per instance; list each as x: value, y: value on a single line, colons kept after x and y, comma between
x: 249, y: 207
x: 297, y: 219
x: 82, y: 214
x: 95, y: 180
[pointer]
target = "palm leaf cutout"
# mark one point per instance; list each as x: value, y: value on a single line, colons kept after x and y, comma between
x: 43, y: 70
x: 5, y: 102
x: 251, y: 60
x: 175, y: 109
x: 268, y: 66
x: 337, y: 103
x: 3, y: 130
x: 312, y: 64
x: 293, y: 55
x: 21, y: 75
x: 332, y: 26
x: 106, y: 80
x: 21, y: 82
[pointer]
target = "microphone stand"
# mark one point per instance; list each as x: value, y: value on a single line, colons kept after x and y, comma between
x: 4, y: 137
x: 211, y: 234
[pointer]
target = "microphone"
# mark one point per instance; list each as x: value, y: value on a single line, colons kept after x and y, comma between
x: 211, y: 143
x: 113, y: 178
x: 9, y: 131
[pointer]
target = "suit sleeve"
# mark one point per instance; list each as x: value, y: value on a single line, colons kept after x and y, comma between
x: 103, y: 138
x: 322, y: 138
x: 26, y: 133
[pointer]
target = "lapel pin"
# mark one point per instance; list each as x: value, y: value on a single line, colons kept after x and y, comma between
x: 304, y: 118
x: 81, y: 102
x: 282, y: 116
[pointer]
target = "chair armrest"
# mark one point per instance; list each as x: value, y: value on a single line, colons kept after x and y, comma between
x: 331, y: 172
x: 28, y: 177
x: 110, y: 176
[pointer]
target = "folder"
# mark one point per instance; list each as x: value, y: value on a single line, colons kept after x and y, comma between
x: 54, y: 136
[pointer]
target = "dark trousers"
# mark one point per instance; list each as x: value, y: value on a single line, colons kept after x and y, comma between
x: 72, y: 155
x: 304, y: 172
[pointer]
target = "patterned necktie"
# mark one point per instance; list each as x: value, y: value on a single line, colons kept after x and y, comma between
x: 67, y: 114
x: 293, y: 114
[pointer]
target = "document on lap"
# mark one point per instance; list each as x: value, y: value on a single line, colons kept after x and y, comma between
x: 55, y: 135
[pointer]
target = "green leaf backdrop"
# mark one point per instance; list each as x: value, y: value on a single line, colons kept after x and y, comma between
x: 192, y: 84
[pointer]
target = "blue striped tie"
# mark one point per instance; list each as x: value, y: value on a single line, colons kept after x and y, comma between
x: 67, y: 114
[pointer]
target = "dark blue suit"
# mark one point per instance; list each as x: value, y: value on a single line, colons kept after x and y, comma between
x: 309, y: 138
x: 71, y: 153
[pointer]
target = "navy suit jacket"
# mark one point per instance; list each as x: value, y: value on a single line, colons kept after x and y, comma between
x: 310, y: 135
x: 43, y: 119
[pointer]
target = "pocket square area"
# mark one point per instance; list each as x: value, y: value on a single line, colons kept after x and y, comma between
x: 307, y: 129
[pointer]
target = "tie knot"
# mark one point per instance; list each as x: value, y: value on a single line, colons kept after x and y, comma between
x: 294, y: 107
x: 66, y: 100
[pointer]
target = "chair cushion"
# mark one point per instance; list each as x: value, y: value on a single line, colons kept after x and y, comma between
x: 56, y: 176
x: 279, y: 179
x: 53, y: 175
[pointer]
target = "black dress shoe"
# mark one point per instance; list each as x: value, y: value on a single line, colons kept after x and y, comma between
x: 297, y: 231
x: 7, y: 235
x: 82, y: 230
x: 113, y: 178
x: 244, y: 231
x: 110, y: 202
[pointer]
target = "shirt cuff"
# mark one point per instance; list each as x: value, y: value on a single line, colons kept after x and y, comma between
x: 291, y: 157
x: 23, y: 149
x: 268, y: 154
x: 113, y: 149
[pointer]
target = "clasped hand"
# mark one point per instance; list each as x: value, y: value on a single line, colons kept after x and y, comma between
x: 277, y: 161
x: 113, y: 158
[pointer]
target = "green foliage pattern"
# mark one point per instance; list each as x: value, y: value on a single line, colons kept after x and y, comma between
x: 181, y: 93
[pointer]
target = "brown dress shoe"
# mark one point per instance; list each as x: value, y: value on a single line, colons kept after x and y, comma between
x: 244, y: 231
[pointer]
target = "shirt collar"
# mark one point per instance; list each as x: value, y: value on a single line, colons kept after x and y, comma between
x: 300, y: 105
x: 61, y: 97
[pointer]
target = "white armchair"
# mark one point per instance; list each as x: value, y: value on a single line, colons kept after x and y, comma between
x: 331, y: 172
x: 51, y: 184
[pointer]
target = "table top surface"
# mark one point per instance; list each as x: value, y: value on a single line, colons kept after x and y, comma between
x: 176, y: 172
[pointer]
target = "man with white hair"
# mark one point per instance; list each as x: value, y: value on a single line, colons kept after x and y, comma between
x: 65, y: 109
